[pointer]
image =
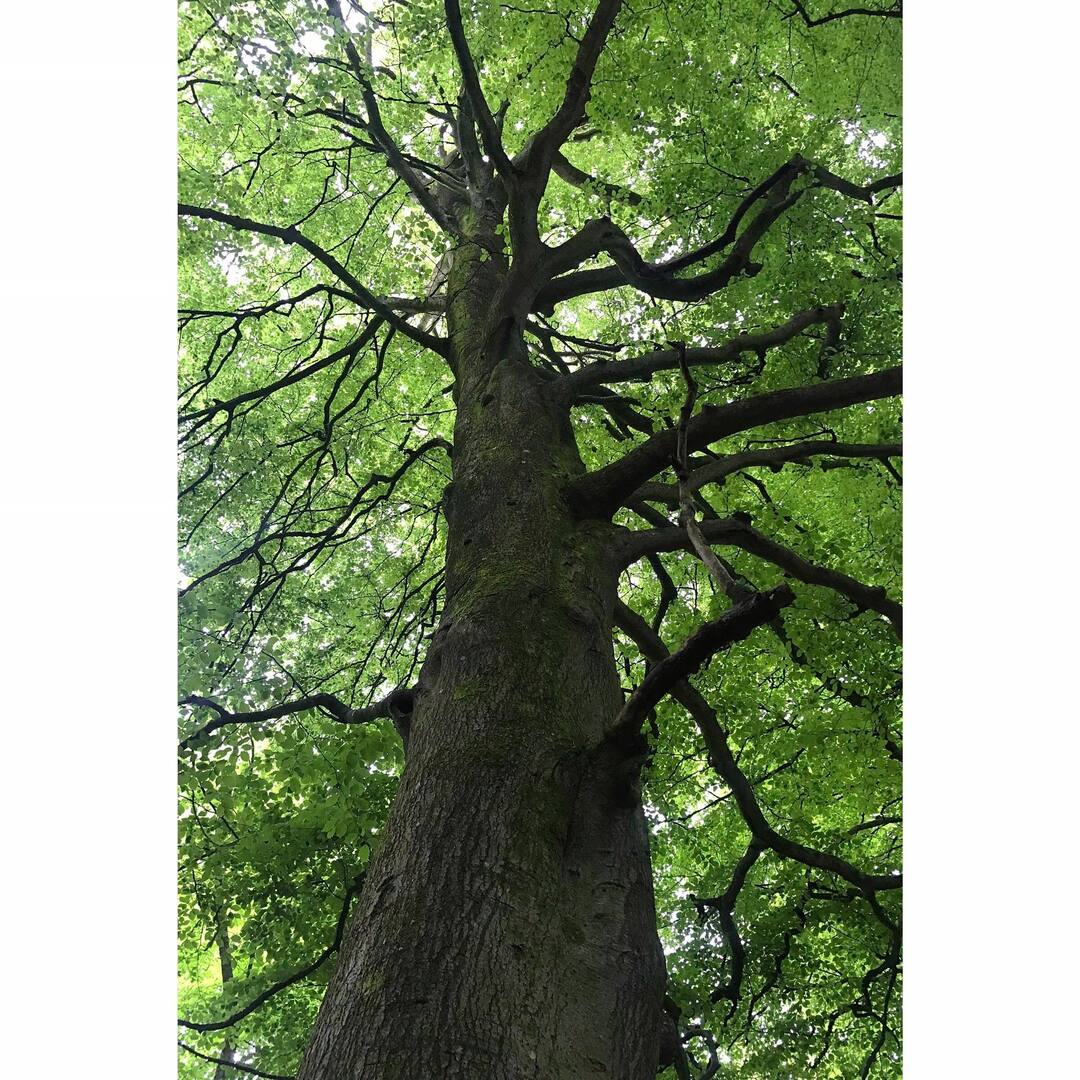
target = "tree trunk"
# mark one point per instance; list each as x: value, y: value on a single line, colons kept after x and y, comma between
x: 221, y: 933
x: 506, y: 929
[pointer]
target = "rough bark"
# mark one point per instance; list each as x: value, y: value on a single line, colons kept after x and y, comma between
x: 507, y: 928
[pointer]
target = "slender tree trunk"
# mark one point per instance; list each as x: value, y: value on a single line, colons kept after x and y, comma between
x: 507, y: 927
x: 221, y: 933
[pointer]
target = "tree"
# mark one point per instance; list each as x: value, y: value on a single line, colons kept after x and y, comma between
x: 540, y: 518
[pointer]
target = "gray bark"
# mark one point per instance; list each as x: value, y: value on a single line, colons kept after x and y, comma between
x: 507, y: 928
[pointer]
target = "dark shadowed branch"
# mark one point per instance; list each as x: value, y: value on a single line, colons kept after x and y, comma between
x: 295, y: 977
x: 397, y: 703
x: 717, y: 471
x: 569, y: 172
x: 571, y: 111
x: 291, y: 235
x: 238, y: 1066
x: 687, y: 512
x: 732, y: 531
x: 895, y: 12
x: 377, y: 130
x: 200, y: 416
x: 838, y: 689
x: 724, y: 906
x: 642, y: 368
x: 485, y: 120
x: 600, y: 493
x: 322, y: 539
x: 738, y: 622
x: 659, y: 280
x: 723, y: 760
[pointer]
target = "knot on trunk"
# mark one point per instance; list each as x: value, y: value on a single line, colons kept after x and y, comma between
x: 400, y: 708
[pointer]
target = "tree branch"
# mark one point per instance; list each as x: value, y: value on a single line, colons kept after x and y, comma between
x: 658, y: 279
x: 738, y: 622
x: 725, y: 909
x: 642, y: 368
x: 381, y: 136
x: 232, y: 1064
x: 723, y: 760
x: 569, y: 172
x: 489, y: 129
x: 668, y: 592
x: 732, y: 531
x: 896, y: 12
x: 599, y: 494
x: 296, y: 376
x: 834, y: 686
x: 571, y: 111
x: 716, y: 472
x: 295, y: 977
x: 531, y: 169
x: 291, y: 235
x: 396, y: 704
x: 320, y: 538
x: 687, y: 514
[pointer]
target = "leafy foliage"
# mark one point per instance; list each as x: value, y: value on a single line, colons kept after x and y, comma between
x: 314, y: 434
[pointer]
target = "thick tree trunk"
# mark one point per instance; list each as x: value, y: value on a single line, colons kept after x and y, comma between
x: 507, y: 928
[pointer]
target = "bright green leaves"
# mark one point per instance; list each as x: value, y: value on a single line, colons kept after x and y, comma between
x: 321, y: 541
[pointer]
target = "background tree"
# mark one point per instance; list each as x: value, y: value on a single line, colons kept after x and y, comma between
x: 534, y: 361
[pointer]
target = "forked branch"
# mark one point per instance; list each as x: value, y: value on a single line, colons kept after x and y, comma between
x: 291, y: 235
x: 290, y: 980
x: 599, y: 494
x: 738, y: 622
x: 485, y: 120
x: 723, y: 760
x: 381, y: 137
x: 571, y: 110
x: 776, y: 194
x: 724, y: 906
x: 731, y: 530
